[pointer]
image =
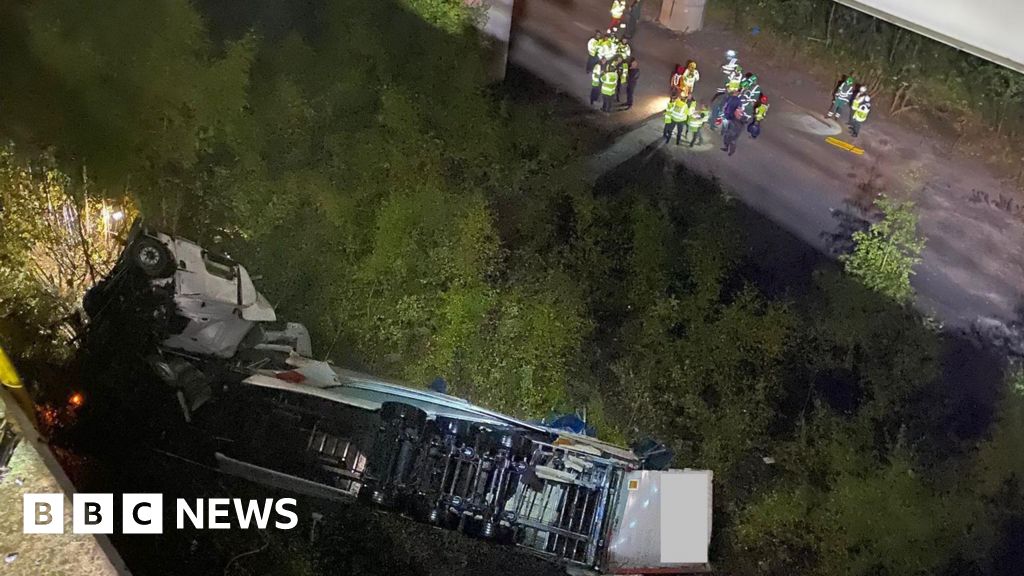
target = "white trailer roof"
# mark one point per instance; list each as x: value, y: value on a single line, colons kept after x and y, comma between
x: 989, y: 29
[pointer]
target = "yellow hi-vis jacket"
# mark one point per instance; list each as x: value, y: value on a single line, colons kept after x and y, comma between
x: 861, y: 113
x: 592, y: 47
x: 595, y: 76
x: 680, y: 112
x: 696, y: 120
x: 760, y: 112
x: 735, y: 79
x: 609, y: 80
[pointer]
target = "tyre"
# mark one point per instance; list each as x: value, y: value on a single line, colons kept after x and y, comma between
x: 151, y: 257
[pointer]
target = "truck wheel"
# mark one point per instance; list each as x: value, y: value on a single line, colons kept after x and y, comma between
x: 152, y: 257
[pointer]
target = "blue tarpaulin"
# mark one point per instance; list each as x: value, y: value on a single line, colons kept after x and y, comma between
x: 569, y: 423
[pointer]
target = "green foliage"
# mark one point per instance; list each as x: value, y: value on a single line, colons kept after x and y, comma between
x: 885, y: 254
x: 422, y: 224
x: 999, y: 460
x: 863, y: 518
x: 883, y: 345
x: 449, y: 15
x: 55, y: 242
x: 693, y: 365
x: 129, y: 86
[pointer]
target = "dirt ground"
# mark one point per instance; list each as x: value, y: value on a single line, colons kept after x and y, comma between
x: 972, y: 268
x: 960, y: 135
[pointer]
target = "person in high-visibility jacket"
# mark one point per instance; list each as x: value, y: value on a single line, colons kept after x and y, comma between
x: 750, y: 91
x: 841, y: 96
x: 631, y: 82
x: 669, y: 126
x: 690, y: 78
x: 862, y: 93
x: 622, y: 49
x: 606, y: 48
x: 623, y: 78
x: 691, y: 106
x: 595, y: 84
x: 592, y: 50
x: 680, y: 114
x: 760, y: 111
x: 695, y: 123
x: 734, y: 80
x: 731, y: 62
x: 609, y: 84
x: 618, y: 9
x: 860, y: 114
x: 733, y: 83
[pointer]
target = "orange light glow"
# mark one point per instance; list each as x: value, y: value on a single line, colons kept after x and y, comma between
x: 76, y: 399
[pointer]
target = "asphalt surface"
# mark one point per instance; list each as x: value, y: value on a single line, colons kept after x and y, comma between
x: 973, y: 265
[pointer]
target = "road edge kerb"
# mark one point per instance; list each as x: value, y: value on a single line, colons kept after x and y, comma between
x: 42, y: 449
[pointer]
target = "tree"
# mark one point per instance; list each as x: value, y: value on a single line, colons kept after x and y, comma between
x: 131, y: 88
x: 56, y: 241
x: 885, y: 254
x: 838, y: 510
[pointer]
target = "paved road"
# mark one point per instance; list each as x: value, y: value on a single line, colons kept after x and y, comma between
x: 973, y: 265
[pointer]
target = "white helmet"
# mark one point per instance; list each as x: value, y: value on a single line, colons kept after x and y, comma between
x: 863, y: 89
x: 867, y: 98
x: 730, y: 54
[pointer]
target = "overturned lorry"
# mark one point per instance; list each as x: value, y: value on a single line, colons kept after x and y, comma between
x: 284, y: 419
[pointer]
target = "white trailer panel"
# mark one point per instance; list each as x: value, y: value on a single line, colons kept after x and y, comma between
x: 989, y: 29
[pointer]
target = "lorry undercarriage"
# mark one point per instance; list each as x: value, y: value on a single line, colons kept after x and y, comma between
x: 281, y: 418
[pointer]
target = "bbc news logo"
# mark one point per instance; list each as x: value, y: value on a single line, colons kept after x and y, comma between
x: 144, y: 513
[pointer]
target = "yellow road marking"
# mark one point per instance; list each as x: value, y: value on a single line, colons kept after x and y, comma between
x: 844, y: 145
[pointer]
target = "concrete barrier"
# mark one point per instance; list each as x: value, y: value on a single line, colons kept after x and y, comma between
x: 682, y: 15
x: 32, y: 469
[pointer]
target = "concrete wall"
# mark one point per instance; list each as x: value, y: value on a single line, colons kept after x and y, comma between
x: 990, y: 29
x: 682, y: 15
x: 496, y: 28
